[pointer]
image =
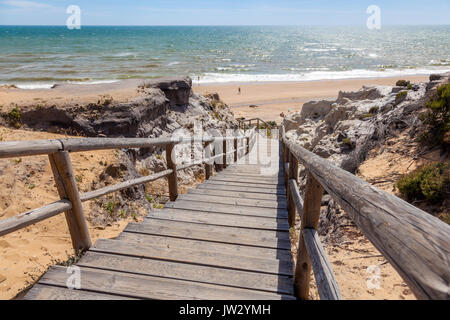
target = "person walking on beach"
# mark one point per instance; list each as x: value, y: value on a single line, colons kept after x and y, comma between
x: 239, y: 90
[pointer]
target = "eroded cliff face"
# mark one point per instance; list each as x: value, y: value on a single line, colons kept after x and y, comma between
x: 158, y: 106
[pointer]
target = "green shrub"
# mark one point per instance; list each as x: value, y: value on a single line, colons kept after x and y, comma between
x: 13, y: 117
x: 402, y: 83
x: 429, y: 183
x: 400, y: 96
x: 437, y: 118
x: 365, y: 116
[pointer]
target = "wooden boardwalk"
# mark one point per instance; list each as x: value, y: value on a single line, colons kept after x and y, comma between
x: 226, y: 239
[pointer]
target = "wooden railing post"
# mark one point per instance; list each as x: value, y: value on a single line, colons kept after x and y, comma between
x: 293, y: 175
x: 310, y: 220
x: 235, y: 150
x: 208, y: 164
x: 172, y: 178
x: 224, y: 144
x: 67, y: 189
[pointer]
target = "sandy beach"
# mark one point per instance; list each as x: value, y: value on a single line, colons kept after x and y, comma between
x: 275, y: 98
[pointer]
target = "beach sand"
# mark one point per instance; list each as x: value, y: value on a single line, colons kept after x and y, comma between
x: 275, y: 98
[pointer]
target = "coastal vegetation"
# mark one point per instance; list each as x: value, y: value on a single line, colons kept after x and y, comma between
x: 437, y: 119
x: 430, y: 183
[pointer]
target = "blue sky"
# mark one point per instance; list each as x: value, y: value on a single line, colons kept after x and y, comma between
x: 224, y: 12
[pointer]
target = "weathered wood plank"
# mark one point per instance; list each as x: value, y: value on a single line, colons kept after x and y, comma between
x: 413, y: 241
x: 310, y: 219
x: 263, y: 182
x: 323, y: 272
x: 46, y: 292
x: 295, y: 194
x: 220, y: 219
x: 33, y: 216
x: 148, y: 287
x: 237, y: 194
x: 245, y: 184
x: 189, y: 272
x: 11, y: 149
x: 170, y: 242
x: 233, y: 235
x: 124, y: 185
x: 241, y: 188
x: 228, y: 209
x: 67, y: 188
x: 244, y: 202
x: 192, y: 256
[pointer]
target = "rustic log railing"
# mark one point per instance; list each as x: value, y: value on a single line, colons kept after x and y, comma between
x: 254, y: 122
x: 416, y: 243
x: 58, y: 152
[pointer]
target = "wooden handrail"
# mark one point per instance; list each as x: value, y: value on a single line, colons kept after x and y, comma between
x: 70, y: 203
x: 258, y: 120
x: 414, y: 242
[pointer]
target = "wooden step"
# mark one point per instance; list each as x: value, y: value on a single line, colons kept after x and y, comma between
x: 49, y: 292
x: 241, y: 189
x: 228, y: 209
x: 264, y: 182
x: 148, y: 287
x: 220, y: 219
x: 188, y: 272
x: 261, y: 187
x: 185, y: 255
x: 169, y: 242
x: 233, y: 201
x: 237, y: 194
x: 232, y: 235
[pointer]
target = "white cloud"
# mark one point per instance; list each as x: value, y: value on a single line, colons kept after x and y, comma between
x: 26, y: 4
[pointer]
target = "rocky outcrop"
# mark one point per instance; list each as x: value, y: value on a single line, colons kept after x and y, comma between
x: 159, y: 107
x: 345, y: 130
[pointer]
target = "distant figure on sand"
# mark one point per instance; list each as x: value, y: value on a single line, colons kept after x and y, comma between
x: 239, y: 90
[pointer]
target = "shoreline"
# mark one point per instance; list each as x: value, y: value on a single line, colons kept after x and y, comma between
x: 272, y: 98
x: 275, y: 98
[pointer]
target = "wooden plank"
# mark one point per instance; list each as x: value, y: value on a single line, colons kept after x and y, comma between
x: 237, y: 194
x: 33, y: 216
x: 246, y: 184
x: 323, y: 272
x: 229, y: 174
x: 262, y: 182
x: 244, y: 202
x: 124, y: 185
x: 241, y: 188
x: 233, y: 235
x: 227, y: 209
x: 234, y: 181
x: 234, y: 249
x: 11, y: 149
x: 192, y: 256
x: 46, y: 292
x: 67, y: 188
x: 220, y: 219
x: 310, y: 219
x: 148, y: 287
x: 188, y: 272
x: 413, y: 241
x: 295, y: 194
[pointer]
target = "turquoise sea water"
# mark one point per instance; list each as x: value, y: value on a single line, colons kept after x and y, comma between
x: 34, y: 57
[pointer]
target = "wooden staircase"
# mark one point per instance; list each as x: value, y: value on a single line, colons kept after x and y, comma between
x: 227, y: 239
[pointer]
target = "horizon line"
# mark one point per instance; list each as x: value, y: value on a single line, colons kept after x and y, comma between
x: 221, y: 25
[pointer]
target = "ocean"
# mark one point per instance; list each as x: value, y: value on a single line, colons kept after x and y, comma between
x: 40, y: 56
